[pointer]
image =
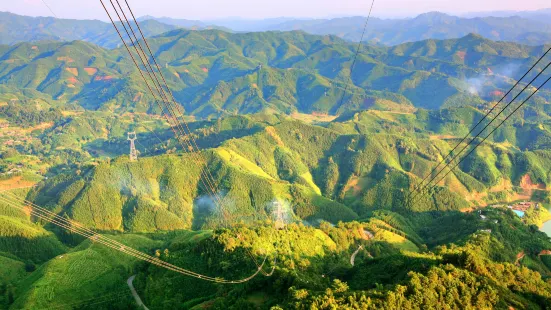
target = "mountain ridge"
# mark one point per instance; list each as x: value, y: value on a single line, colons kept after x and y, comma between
x: 214, y: 73
x: 431, y: 25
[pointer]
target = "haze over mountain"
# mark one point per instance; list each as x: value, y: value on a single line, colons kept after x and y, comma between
x: 16, y: 28
x: 532, y: 29
x: 542, y: 15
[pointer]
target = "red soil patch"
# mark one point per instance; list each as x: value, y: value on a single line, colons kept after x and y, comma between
x: 490, y: 71
x: 186, y: 70
x: 90, y: 70
x: 103, y: 78
x: 519, y: 257
x: 10, y: 61
x: 34, y: 47
x: 27, y: 210
x: 365, y: 234
x: 461, y: 55
x: 65, y: 58
x: 138, y: 97
x: 71, y: 85
x: 468, y: 210
x: 205, y: 69
x: 497, y: 93
x: 255, y: 86
x: 527, y: 184
x: 72, y: 80
x: 272, y: 132
x: 353, y: 183
x: 73, y: 71
x: 176, y: 74
x: 545, y: 252
x: 15, y: 182
x: 317, y: 113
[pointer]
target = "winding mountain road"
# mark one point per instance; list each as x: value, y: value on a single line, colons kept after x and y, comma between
x: 353, y: 257
x: 134, y: 293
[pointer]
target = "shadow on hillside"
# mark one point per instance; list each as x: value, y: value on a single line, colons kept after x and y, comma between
x: 155, y: 143
x: 441, y: 227
x: 215, y: 140
x: 386, y: 270
x: 148, y: 144
x: 34, y: 250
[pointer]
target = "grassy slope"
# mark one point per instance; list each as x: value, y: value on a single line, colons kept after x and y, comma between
x: 89, y: 273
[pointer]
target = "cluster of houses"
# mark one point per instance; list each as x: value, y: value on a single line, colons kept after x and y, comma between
x: 15, y: 170
x: 520, y: 207
x: 523, y: 206
x: 13, y: 137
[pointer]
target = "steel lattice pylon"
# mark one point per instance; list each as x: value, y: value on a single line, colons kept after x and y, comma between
x: 133, y: 152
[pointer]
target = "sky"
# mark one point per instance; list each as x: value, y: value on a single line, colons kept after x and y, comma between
x: 259, y: 9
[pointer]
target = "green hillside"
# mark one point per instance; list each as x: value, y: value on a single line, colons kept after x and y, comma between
x: 213, y: 73
x: 333, y: 171
x: 344, y: 181
x: 88, y: 274
x: 22, y: 238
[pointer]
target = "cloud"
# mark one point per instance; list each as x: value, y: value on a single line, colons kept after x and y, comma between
x: 498, y: 77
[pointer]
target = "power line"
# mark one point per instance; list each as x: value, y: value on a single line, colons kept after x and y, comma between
x: 481, y: 131
x: 208, y: 181
x: 503, y: 121
x: 481, y: 120
x: 169, y: 114
x: 50, y: 9
x: 473, y: 140
x: 153, y: 132
x: 172, y: 106
x: 209, y: 177
x: 357, y: 51
x: 78, y: 228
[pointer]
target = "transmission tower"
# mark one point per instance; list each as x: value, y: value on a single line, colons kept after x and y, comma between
x: 133, y: 153
x: 278, y: 212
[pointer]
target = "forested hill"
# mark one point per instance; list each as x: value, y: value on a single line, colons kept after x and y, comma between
x: 16, y: 29
x: 341, y: 171
x: 342, y: 183
x: 216, y: 73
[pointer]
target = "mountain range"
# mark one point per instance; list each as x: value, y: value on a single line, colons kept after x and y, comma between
x: 213, y: 73
x: 16, y: 28
x: 531, y: 28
